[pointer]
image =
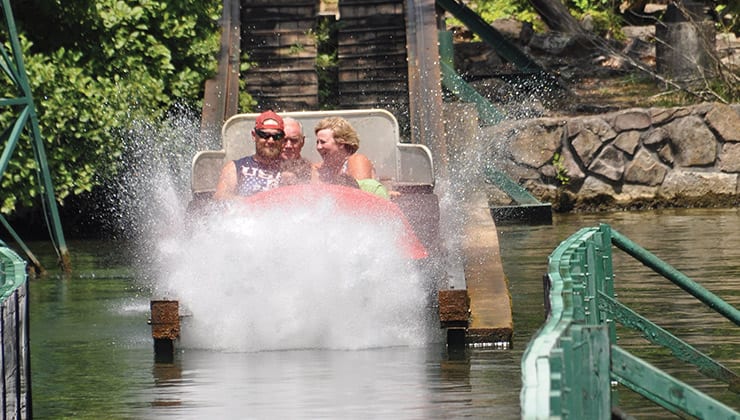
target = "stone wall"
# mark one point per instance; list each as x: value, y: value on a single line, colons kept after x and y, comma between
x: 634, y: 158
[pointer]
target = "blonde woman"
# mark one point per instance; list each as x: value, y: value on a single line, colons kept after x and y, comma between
x: 337, y: 142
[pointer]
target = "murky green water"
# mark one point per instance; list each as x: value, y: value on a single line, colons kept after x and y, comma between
x: 92, y: 352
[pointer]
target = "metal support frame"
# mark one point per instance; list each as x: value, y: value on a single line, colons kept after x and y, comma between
x: 491, y: 36
x: 13, y: 67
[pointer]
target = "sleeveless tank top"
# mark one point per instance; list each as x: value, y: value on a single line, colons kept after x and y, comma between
x: 253, y: 177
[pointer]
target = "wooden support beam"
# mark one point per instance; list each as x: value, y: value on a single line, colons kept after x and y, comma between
x: 165, y: 319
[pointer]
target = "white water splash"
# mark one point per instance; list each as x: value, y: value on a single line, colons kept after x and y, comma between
x: 295, y: 278
x: 290, y: 279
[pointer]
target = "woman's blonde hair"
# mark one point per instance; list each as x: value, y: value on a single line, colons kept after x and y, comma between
x: 342, y: 130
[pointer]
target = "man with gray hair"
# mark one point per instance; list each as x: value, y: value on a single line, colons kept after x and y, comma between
x: 295, y: 168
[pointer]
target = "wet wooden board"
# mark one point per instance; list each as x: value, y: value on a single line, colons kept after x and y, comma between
x: 491, y: 318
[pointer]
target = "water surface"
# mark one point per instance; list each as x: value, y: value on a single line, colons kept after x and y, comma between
x: 92, y: 352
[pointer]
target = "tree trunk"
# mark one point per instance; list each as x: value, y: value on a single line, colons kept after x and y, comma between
x: 556, y: 16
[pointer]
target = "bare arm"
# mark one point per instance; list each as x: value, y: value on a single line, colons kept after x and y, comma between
x: 226, y: 186
x: 360, y: 167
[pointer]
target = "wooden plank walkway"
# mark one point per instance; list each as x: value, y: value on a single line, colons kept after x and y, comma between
x: 491, y: 318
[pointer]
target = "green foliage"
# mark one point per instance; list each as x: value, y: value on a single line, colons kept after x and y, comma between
x: 491, y: 10
x: 325, y: 35
x: 93, y: 68
x: 590, y: 5
x: 246, y: 102
x: 602, y: 12
x: 296, y: 49
x: 561, y: 172
x: 729, y: 16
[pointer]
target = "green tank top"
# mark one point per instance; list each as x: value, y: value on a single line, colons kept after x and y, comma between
x: 374, y: 187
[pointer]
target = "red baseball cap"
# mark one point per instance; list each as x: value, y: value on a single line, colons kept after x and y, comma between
x: 269, y: 120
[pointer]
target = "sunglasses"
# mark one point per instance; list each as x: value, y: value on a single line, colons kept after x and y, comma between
x: 265, y: 135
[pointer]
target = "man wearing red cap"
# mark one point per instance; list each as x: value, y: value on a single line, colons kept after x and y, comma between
x: 261, y: 171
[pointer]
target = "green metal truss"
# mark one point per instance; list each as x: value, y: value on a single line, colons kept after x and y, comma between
x: 11, y: 63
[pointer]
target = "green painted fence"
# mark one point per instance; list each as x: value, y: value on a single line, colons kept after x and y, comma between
x: 570, y: 367
x: 15, y: 399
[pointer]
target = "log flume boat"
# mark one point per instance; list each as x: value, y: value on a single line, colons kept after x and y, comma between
x: 407, y: 169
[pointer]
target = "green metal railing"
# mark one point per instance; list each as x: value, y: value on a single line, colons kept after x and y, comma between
x: 490, y: 35
x: 22, y: 106
x: 568, y: 368
x: 527, y: 204
x: 15, y: 382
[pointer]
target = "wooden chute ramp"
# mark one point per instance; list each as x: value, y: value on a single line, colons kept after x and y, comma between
x: 491, y: 320
x: 481, y: 314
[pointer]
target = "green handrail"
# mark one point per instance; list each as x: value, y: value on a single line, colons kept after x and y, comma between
x: 568, y: 366
x: 677, y: 277
x: 12, y: 271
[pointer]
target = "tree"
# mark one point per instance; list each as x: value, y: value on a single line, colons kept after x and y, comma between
x: 556, y: 16
x: 93, y: 67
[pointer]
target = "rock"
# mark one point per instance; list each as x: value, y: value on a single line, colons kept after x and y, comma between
x: 511, y: 29
x: 547, y: 143
x: 628, y: 141
x: 642, y: 51
x: 729, y: 158
x: 477, y: 59
x: 593, y: 188
x: 681, y: 53
x: 728, y: 49
x: 655, y: 137
x: 682, y: 184
x: 702, y: 109
x: 632, y: 193
x: 590, y: 133
x: 645, y: 169
x: 561, y: 44
x: 598, y: 126
x: 692, y: 142
x: 586, y: 144
x: 664, y: 115
x: 644, y: 33
x: 609, y: 163
x: 572, y: 170
x: 681, y: 163
x: 666, y: 154
x: 725, y: 121
x: 631, y: 120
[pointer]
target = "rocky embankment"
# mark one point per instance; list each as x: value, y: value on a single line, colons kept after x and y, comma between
x: 634, y: 158
x: 591, y: 143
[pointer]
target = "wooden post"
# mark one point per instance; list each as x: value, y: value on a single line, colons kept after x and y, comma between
x: 165, y: 322
x: 221, y: 98
x: 454, y: 308
x: 425, y: 81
